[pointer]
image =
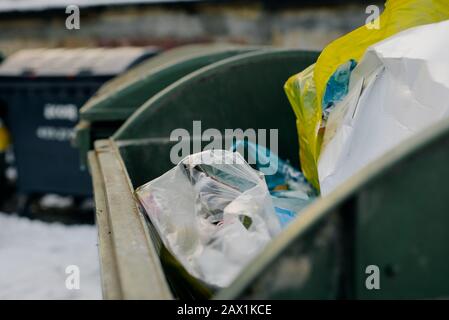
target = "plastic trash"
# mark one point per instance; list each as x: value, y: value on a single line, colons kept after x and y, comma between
x: 395, y: 93
x: 307, y: 91
x: 398, y: 16
x: 289, y: 189
x: 337, y: 87
x: 301, y: 93
x: 4, y: 138
x: 213, y: 212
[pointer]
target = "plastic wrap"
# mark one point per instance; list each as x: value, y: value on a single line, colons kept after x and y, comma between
x: 213, y: 212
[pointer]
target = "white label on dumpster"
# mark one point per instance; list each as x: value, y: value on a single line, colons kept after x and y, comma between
x: 61, y: 112
x: 54, y: 133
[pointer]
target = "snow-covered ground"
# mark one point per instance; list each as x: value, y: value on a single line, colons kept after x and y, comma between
x: 34, y: 256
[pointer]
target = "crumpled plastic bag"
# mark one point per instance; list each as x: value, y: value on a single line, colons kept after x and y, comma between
x: 289, y: 189
x: 397, y: 90
x: 213, y: 212
x: 308, y: 91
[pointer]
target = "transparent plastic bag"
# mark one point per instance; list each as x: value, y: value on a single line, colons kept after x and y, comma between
x: 213, y: 212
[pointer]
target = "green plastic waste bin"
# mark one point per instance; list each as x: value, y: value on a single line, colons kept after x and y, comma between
x: 106, y: 111
x: 245, y: 91
x: 388, y: 223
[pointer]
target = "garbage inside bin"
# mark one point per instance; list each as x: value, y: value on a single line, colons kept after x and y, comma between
x: 395, y: 93
x: 289, y: 189
x: 337, y: 87
x: 213, y: 212
x: 308, y: 91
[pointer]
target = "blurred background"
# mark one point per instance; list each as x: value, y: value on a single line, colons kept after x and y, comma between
x: 44, y: 230
x: 306, y: 24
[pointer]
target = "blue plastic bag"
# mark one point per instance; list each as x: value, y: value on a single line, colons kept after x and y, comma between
x: 288, y: 187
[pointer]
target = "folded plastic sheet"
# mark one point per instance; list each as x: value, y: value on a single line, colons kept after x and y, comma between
x: 400, y: 88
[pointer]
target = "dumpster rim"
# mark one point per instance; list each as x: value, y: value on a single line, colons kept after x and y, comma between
x: 153, y: 271
x: 197, y: 75
x: 87, y: 112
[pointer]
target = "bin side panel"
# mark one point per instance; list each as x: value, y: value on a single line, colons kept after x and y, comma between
x: 138, y: 265
x: 245, y: 92
x: 308, y: 269
x: 402, y: 227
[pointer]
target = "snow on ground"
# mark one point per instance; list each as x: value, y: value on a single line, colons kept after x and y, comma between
x: 34, y: 256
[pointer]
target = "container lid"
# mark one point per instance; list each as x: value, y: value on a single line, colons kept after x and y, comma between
x: 74, y: 62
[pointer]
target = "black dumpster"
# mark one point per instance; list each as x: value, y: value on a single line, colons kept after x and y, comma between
x: 42, y: 90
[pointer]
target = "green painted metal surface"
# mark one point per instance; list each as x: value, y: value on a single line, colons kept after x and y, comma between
x: 241, y: 92
x: 402, y: 223
x: 393, y: 214
x: 103, y: 114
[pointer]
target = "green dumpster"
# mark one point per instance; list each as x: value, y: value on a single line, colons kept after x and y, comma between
x: 245, y: 91
x: 390, y: 217
x: 120, y: 97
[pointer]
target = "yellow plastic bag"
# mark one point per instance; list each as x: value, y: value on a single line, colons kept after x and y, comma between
x: 4, y: 138
x: 307, y: 89
x: 301, y: 93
